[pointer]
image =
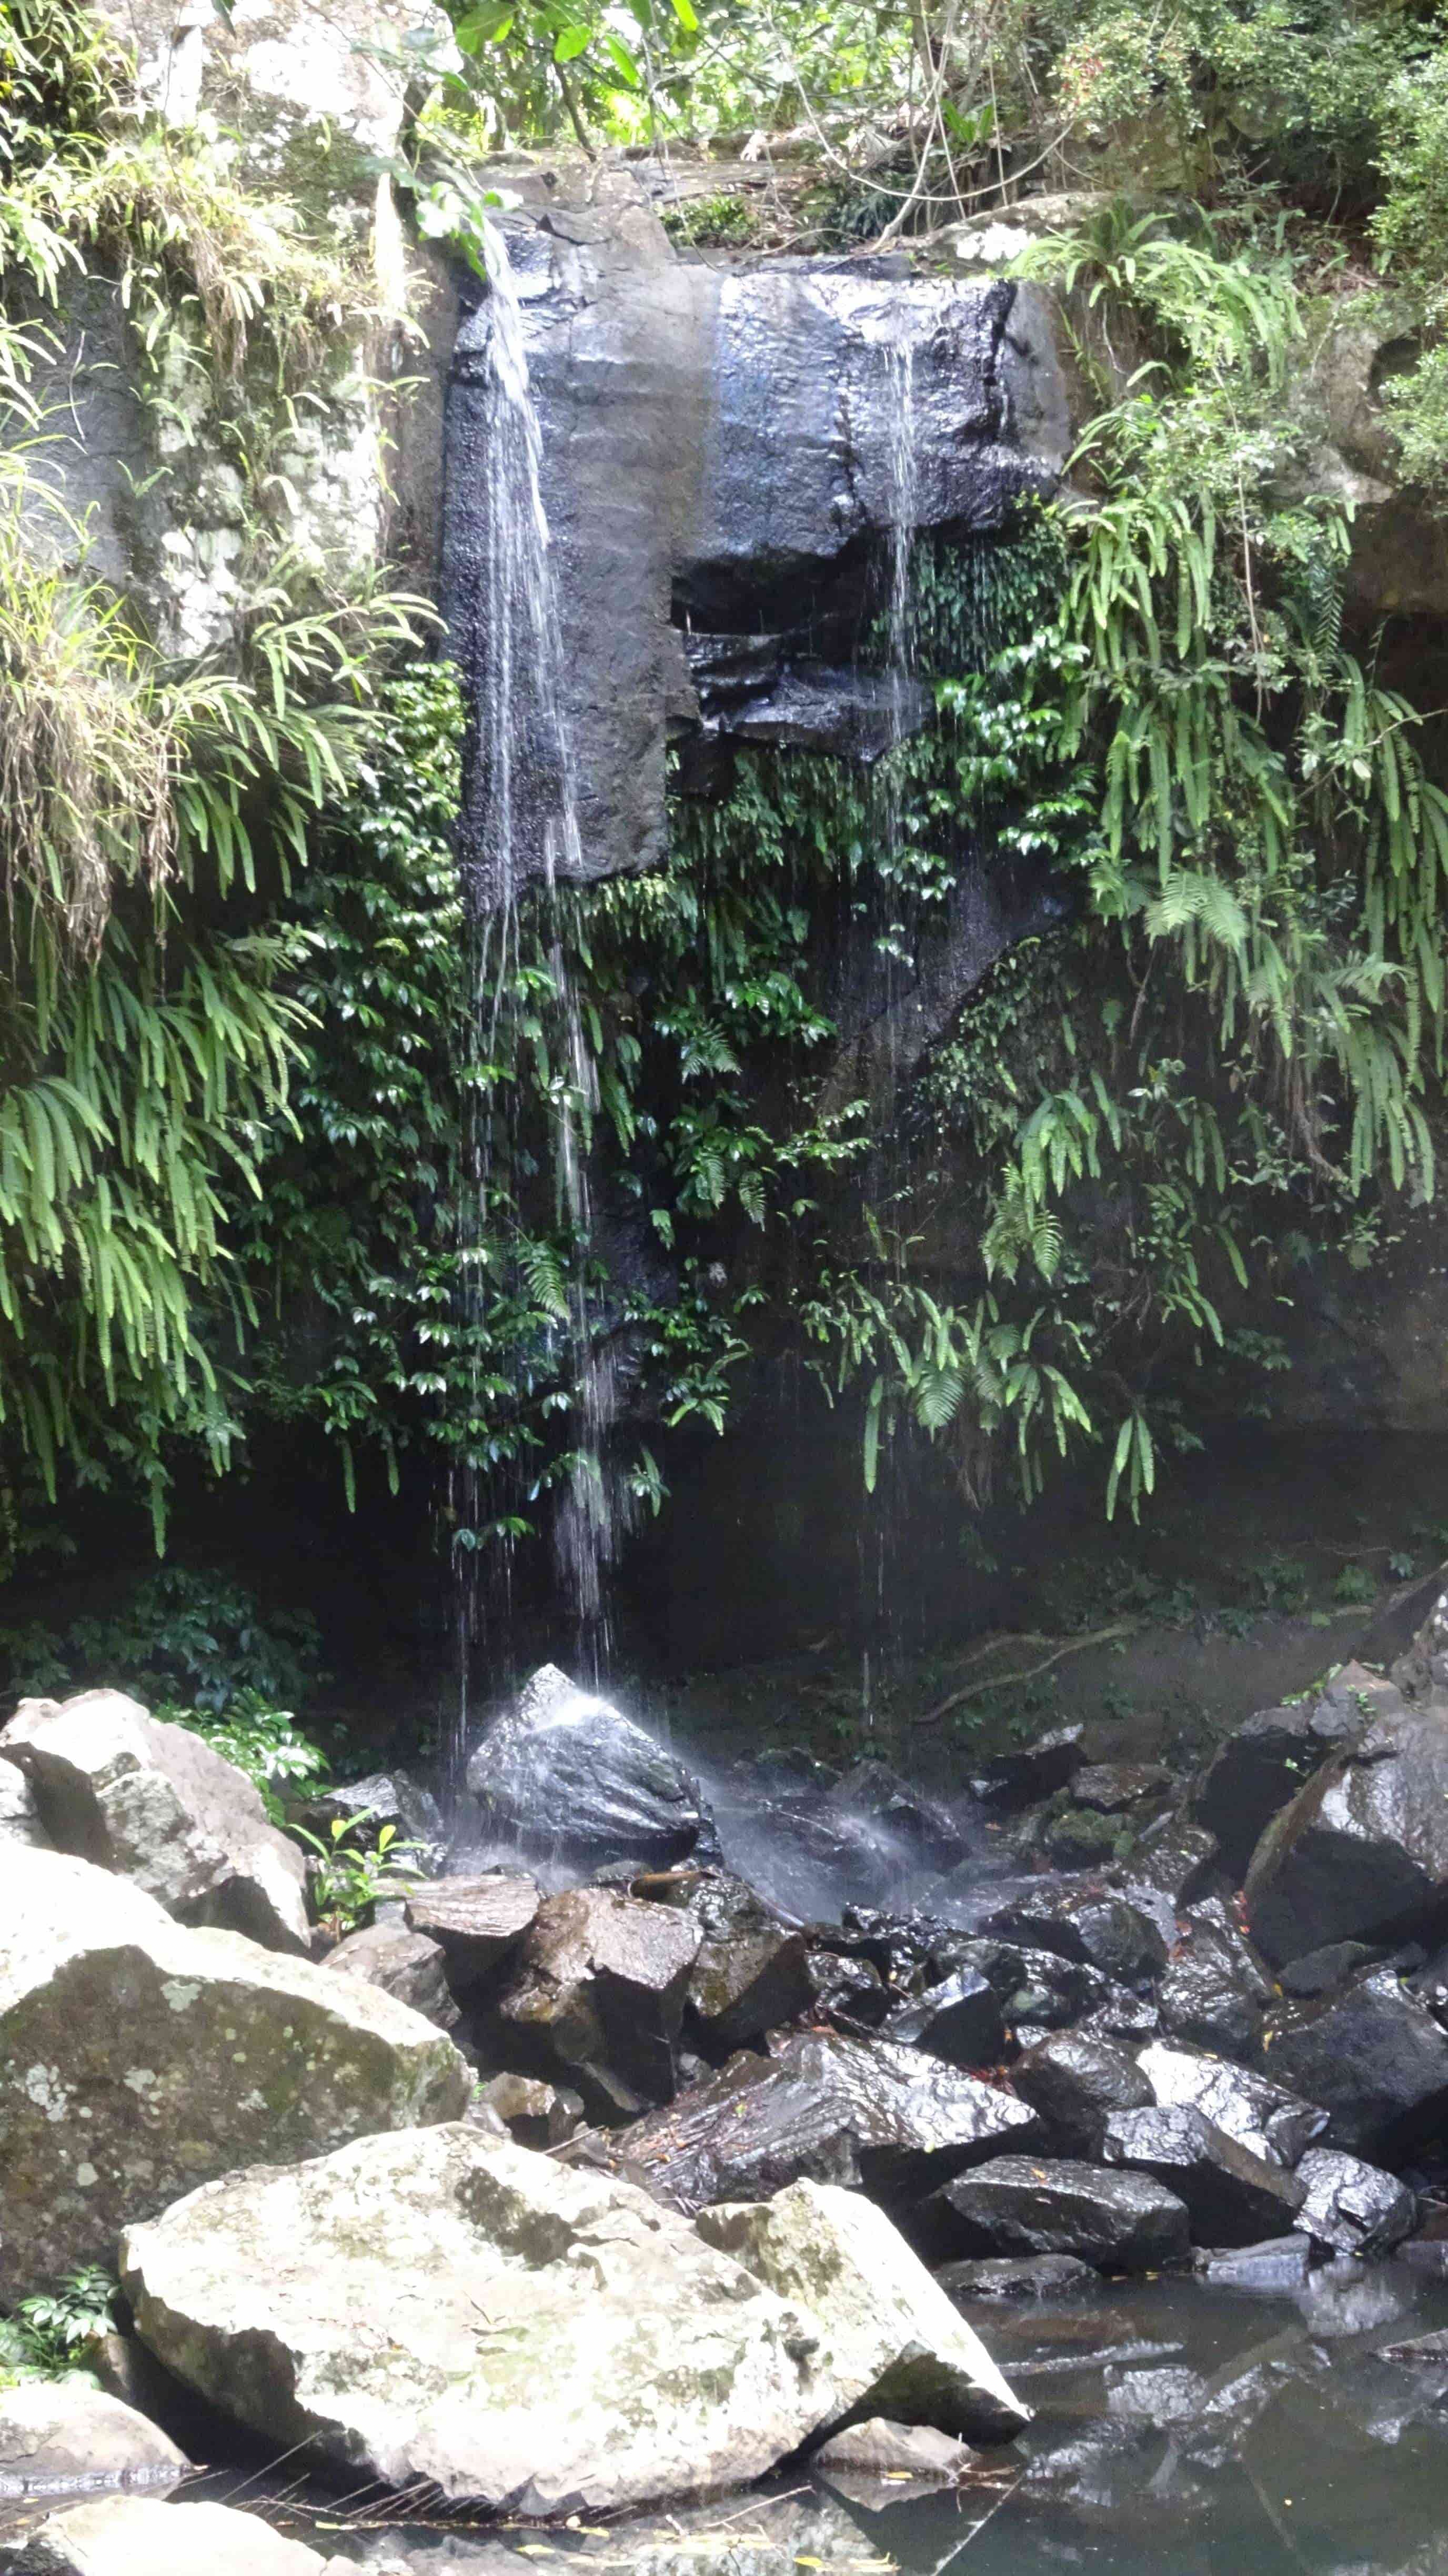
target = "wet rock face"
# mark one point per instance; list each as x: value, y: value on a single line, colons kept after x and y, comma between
x: 136, y: 2054
x: 598, y: 1989
x: 722, y: 460
x: 1373, y: 2058
x: 1361, y: 1853
x: 154, y: 1804
x: 1078, y: 2084
x: 564, y: 1778
x: 477, y: 1923
x: 1260, y: 1770
x: 893, y: 2121
x: 1233, y: 2196
x: 439, y: 2307
x: 1125, y: 2222
x: 1354, y: 2207
x: 1215, y: 1988
x: 1260, y: 2115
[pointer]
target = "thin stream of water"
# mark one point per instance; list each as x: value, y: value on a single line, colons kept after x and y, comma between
x: 529, y: 792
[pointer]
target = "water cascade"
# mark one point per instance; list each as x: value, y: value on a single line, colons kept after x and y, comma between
x: 526, y: 792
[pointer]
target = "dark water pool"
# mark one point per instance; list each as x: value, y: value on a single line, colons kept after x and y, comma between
x: 1180, y: 2431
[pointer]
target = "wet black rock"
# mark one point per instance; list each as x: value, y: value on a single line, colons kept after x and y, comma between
x: 751, y: 1972
x: 384, y: 1798
x: 1077, y: 2081
x: 564, y: 1779
x: 1119, y: 2221
x: 959, y: 2020
x: 1322, y: 1971
x: 1361, y: 1854
x: 1031, y: 1771
x: 1354, y: 2207
x: 1175, y: 1857
x: 1115, y: 1788
x: 1234, y: 2197
x: 476, y: 1922
x: 1037, y: 1987
x: 1261, y: 1768
x: 1259, y: 2114
x: 891, y: 2121
x: 1215, y: 1988
x: 1373, y: 2057
x: 1079, y: 1918
x: 1272, y: 2269
x: 1022, y: 2280
x: 848, y: 1992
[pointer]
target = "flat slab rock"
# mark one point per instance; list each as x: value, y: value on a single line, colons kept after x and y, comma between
x: 137, y: 2536
x: 153, y: 1803
x: 477, y: 1923
x: 1121, y: 2222
x: 69, y: 2428
x: 137, y: 2056
x: 892, y: 2121
x: 433, y: 2306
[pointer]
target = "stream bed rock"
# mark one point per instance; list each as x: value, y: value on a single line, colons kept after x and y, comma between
x: 137, y: 2057
x: 137, y: 2536
x: 68, y: 2430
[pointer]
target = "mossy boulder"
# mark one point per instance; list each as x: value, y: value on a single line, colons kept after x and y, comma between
x: 138, y: 2058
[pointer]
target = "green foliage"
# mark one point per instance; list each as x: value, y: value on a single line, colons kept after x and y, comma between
x: 188, y: 1643
x: 48, y: 2335
x: 349, y: 1878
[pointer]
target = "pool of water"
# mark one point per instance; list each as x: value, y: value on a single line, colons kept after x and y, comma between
x: 1180, y: 2430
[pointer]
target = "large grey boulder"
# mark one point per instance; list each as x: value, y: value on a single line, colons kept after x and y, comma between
x: 565, y: 1779
x: 137, y: 2056
x: 868, y: 2114
x: 155, y: 1804
x: 889, y: 2333
x: 1122, y: 2222
x: 52, y: 2431
x: 434, y: 2306
x: 136, y: 2536
x: 1361, y: 1853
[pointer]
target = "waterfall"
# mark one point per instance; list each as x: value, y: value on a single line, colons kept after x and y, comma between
x: 527, y: 793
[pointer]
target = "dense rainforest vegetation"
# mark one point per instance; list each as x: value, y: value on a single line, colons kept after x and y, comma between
x: 247, y: 1092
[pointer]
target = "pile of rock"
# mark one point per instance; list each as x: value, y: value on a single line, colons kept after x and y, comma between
x: 605, y: 2177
